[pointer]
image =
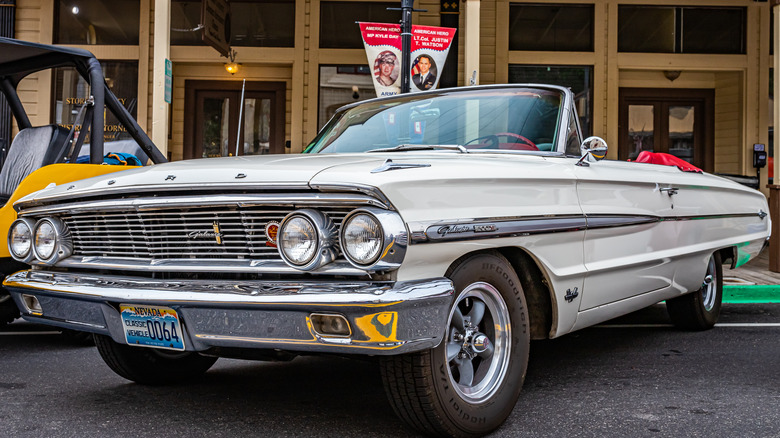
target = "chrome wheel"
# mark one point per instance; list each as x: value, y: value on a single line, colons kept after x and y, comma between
x: 709, y: 288
x: 478, y: 342
x: 700, y: 309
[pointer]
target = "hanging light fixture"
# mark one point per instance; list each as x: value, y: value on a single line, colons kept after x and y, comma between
x: 232, y: 67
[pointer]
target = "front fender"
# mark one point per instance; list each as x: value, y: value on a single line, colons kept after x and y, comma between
x: 41, y: 178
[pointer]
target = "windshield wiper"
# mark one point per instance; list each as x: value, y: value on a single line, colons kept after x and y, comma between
x: 423, y: 147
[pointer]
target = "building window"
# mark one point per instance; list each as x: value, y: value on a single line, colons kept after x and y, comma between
x: 341, y: 85
x: 338, y: 27
x: 663, y: 29
x: 71, y: 90
x: 265, y: 23
x: 551, y: 27
x: 97, y: 22
x: 577, y: 78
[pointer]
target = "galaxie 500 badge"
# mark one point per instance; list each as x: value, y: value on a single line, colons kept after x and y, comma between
x: 151, y: 326
x: 442, y: 231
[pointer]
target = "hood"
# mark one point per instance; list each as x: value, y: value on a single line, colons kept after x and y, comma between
x: 282, y: 170
x: 288, y: 171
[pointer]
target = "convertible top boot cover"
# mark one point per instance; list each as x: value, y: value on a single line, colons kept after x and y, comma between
x: 27, y: 153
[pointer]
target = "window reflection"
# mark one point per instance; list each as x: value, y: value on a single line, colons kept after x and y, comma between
x: 338, y: 29
x: 342, y: 85
x: 681, y: 119
x: 664, y: 29
x: 71, y: 91
x: 97, y: 22
x: 551, y: 27
x: 577, y: 78
x: 265, y: 23
x: 641, y: 132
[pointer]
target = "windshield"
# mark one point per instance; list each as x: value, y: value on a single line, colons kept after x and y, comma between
x: 523, y: 119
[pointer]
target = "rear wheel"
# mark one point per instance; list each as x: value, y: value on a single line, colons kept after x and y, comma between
x: 700, y: 310
x: 468, y: 385
x: 151, y: 366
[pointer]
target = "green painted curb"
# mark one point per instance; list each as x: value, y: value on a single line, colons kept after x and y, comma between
x: 737, y: 294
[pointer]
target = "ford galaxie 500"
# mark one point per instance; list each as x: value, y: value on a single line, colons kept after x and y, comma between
x: 439, y: 232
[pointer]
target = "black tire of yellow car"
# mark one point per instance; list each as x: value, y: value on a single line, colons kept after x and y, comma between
x: 149, y: 366
x: 8, y: 309
x: 421, y: 387
x: 78, y: 338
x: 700, y: 310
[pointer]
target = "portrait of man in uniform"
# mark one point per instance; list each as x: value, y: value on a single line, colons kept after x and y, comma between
x: 385, y: 69
x: 425, y: 78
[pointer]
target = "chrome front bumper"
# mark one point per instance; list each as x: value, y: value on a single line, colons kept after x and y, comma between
x: 250, y: 314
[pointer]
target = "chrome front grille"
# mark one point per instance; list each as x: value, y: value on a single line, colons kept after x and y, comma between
x: 181, y: 233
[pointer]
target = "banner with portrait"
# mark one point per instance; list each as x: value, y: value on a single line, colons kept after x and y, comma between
x: 429, y: 49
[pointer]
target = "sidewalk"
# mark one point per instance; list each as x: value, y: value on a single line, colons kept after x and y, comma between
x: 752, y: 282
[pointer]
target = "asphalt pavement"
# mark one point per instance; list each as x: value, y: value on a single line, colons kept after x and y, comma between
x: 631, y: 377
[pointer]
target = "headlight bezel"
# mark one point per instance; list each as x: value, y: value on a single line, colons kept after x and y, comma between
x: 30, y: 254
x: 395, y: 239
x: 326, y: 239
x: 63, y: 245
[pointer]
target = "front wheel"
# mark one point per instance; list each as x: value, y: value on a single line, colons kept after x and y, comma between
x: 700, y: 310
x: 151, y: 366
x: 468, y: 385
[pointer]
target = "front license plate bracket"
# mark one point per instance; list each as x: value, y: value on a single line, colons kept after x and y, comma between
x: 152, y: 326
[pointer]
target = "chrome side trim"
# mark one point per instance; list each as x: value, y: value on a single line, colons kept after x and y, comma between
x: 488, y: 228
x: 240, y: 200
x: 493, y: 229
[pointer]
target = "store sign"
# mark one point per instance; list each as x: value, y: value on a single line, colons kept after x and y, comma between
x: 168, y: 81
x: 429, y: 49
x: 215, y: 18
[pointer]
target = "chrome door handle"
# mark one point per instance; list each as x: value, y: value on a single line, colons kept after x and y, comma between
x: 670, y: 190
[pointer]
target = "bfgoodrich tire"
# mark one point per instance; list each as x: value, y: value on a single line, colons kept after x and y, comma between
x: 700, y: 310
x: 468, y: 385
x: 151, y: 366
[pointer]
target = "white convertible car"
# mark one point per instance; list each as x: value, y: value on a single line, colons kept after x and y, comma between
x: 439, y: 232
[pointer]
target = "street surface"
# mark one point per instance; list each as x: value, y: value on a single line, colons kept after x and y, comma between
x: 632, y: 377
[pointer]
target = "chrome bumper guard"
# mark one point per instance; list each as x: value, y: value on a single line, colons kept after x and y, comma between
x: 385, y: 318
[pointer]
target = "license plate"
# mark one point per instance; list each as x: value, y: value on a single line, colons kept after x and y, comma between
x: 152, y: 326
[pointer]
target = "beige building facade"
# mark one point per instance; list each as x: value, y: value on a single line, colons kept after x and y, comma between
x: 690, y: 77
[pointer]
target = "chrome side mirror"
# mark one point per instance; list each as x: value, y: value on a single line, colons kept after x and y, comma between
x: 594, y: 147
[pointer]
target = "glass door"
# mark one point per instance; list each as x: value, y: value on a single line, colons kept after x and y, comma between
x: 677, y: 122
x: 222, y: 128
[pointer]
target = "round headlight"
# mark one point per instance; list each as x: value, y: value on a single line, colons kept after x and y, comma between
x: 20, y: 239
x: 362, y: 238
x: 297, y: 240
x: 45, y: 239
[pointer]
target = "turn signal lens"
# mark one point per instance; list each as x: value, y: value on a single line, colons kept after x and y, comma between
x: 330, y: 325
x: 362, y: 238
x: 298, y: 240
x: 45, y: 239
x: 20, y: 239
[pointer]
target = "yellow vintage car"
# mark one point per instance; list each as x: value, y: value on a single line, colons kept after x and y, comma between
x: 40, y: 156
